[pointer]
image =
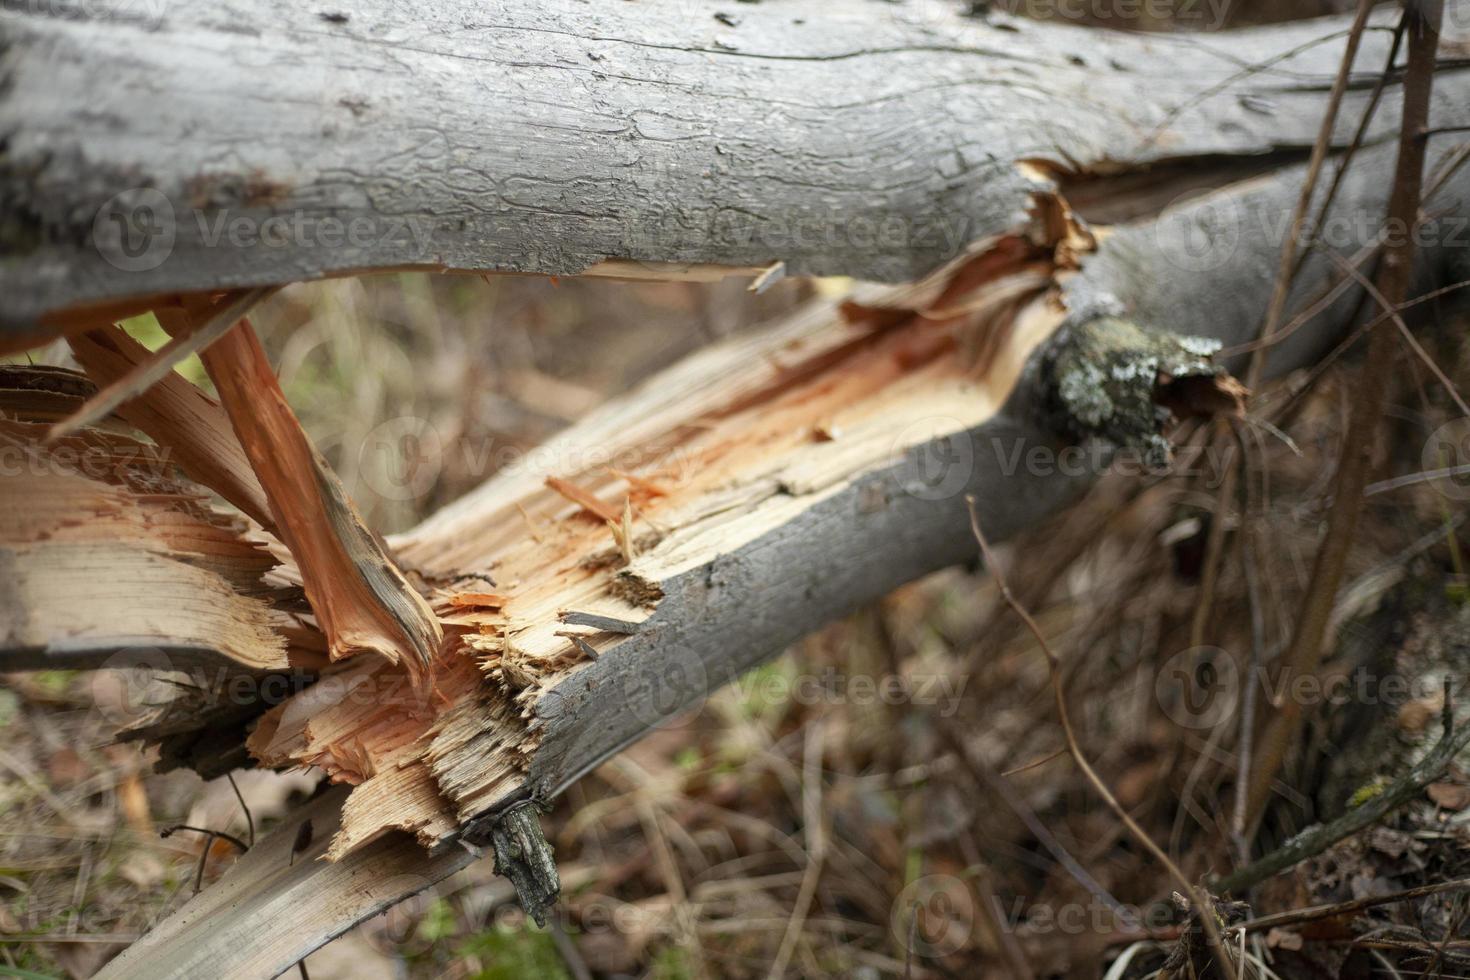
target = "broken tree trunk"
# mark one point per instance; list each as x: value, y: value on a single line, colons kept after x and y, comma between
x: 738, y: 500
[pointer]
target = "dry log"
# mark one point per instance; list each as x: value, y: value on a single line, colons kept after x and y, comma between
x: 874, y: 140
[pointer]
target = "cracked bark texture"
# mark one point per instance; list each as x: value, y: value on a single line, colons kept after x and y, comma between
x: 153, y: 147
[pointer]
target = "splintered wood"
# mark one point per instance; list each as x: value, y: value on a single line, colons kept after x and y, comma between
x: 103, y: 547
x: 360, y: 598
x: 177, y: 414
x: 546, y: 570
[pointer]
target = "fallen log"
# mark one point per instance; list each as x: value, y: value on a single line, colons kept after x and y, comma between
x: 763, y: 486
x: 870, y: 140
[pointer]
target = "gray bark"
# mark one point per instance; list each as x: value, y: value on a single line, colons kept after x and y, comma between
x: 146, y: 145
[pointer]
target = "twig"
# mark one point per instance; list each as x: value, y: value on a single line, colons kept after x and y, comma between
x: 1202, y: 903
x: 1034, y: 763
x: 1248, y: 705
x: 1214, y: 548
x: 1225, y: 83
x: 1317, y: 912
x: 240, y: 845
x: 985, y: 776
x: 1346, y: 158
x: 908, y: 955
x: 249, y: 820
x: 1444, y: 943
x: 567, y: 949
x: 1412, y: 479
x: 1286, y: 272
x: 1304, y: 654
x: 1286, y: 268
x: 1398, y: 321
x: 161, y: 362
x: 209, y: 836
x: 1317, y: 839
x: 816, y: 847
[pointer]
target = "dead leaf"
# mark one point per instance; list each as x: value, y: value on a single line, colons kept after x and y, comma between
x: 1414, y: 715
x: 66, y: 768
x: 1284, y: 939
x: 1449, y: 796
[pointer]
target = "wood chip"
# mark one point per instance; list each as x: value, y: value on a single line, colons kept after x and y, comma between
x: 582, y: 498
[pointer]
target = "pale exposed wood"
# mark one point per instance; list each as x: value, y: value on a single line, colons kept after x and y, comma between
x: 868, y: 139
x: 102, y: 550
x: 273, y: 908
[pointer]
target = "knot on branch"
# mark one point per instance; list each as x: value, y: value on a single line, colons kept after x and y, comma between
x: 1108, y: 378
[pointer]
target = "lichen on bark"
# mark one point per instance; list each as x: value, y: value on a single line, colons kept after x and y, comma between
x: 523, y: 855
x: 1108, y: 378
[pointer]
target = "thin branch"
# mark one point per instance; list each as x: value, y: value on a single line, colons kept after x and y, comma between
x: 240, y: 845
x: 1305, y: 652
x: 249, y: 820
x: 1398, y: 321
x: 816, y: 836
x: 1318, y: 839
x: 1252, y: 69
x: 1203, y: 904
x: 1287, y: 266
x: 1285, y: 274
x: 1318, y: 912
